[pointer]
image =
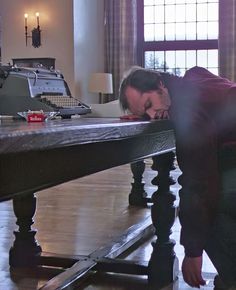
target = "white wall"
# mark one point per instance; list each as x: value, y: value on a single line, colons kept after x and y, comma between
x: 88, y: 44
x: 70, y: 43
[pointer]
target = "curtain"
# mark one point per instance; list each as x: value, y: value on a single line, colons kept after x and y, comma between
x: 120, y: 39
x: 227, y: 39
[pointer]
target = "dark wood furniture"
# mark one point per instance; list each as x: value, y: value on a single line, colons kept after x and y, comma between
x: 47, y: 62
x: 35, y: 156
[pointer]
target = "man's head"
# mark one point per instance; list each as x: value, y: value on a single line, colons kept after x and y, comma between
x: 142, y: 92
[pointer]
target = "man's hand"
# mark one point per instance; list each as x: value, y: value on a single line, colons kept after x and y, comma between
x: 192, y: 271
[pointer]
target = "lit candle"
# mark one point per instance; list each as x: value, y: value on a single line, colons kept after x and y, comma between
x: 26, y: 16
x: 37, y: 15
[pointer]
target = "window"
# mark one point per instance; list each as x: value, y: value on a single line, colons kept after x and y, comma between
x: 175, y: 35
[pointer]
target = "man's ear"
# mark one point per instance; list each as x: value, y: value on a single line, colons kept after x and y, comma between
x: 162, y: 85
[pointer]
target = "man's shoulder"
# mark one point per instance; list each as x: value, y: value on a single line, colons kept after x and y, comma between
x: 198, y: 71
x: 197, y: 68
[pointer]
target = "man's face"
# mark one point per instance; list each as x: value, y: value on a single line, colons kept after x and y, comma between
x: 155, y: 104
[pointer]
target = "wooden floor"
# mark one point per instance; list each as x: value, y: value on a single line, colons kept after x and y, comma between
x: 81, y: 216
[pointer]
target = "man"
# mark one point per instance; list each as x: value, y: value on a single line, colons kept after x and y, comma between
x: 202, y: 107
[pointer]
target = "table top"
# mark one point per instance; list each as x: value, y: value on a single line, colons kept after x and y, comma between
x: 35, y: 156
x: 20, y: 136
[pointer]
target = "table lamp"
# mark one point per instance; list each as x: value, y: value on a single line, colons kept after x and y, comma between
x: 101, y: 83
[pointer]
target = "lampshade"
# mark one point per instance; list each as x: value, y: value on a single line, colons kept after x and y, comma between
x: 101, y: 83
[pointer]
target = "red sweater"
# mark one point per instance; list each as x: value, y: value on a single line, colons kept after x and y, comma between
x: 204, y: 114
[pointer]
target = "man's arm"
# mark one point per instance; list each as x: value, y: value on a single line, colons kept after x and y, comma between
x: 192, y: 274
x: 196, y: 148
x: 197, y: 155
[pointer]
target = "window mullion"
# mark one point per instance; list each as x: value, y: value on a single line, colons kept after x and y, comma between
x: 153, y: 51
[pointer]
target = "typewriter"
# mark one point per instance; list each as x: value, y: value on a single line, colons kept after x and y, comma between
x: 23, y: 89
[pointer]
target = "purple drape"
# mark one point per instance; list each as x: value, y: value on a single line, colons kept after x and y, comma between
x: 227, y: 39
x: 120, y: 39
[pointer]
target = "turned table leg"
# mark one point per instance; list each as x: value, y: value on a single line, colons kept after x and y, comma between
x: 25, y: 251
x: 138, y: 195
x: 163, y: 265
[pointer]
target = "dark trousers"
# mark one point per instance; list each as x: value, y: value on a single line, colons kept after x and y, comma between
x: 221, y: 246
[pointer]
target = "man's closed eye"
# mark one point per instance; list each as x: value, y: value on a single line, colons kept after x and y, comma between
x: 147, y: 105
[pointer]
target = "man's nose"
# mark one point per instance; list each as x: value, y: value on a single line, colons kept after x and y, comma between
x: 151, y: 113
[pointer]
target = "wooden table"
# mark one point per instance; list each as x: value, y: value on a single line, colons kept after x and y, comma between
x: 35, y: 156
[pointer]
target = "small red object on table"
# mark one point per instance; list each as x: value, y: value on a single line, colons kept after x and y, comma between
x: 130, y: 117
x: 35, y: 117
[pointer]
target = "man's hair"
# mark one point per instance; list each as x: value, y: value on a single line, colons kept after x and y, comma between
x: 141, y: 79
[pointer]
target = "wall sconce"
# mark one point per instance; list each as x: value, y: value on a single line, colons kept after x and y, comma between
x: 35, y: 33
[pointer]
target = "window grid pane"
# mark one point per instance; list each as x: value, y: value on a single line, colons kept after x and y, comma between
x: 201, y: 14
x: 175, y: 24
x: 178, y: 61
